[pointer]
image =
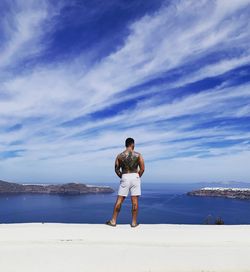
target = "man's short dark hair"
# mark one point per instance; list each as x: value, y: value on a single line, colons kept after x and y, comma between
x: 129, y: 141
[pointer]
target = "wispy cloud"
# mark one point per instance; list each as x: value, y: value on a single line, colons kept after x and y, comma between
x: 177, y: 81
x: 24, y: 25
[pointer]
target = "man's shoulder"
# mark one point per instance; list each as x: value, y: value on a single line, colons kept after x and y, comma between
x: 123, y: 153
x: 137, y: 154
x: 119, y: 155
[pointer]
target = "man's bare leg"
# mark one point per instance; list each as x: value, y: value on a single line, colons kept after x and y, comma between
x: 117, y: 208
x: 134, y: 200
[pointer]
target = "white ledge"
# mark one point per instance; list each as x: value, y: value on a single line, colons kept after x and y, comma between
x: 95, y: 247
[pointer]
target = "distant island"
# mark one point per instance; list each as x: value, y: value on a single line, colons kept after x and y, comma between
x: 241, y: 193
x: 61, y: 189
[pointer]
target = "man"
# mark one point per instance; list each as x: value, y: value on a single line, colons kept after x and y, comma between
x: 126, y: 168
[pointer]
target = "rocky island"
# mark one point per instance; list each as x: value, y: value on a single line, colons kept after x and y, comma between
x: 62, y: 189
x: 241, y: 193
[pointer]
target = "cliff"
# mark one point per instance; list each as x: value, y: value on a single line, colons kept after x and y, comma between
x: 241, y: 193
x: 68, y: 188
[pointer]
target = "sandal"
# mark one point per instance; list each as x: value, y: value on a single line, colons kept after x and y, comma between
x: 133, y: 226
x: 110, y: 224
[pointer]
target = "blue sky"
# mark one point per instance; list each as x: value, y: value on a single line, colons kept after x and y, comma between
x: 79, y: 77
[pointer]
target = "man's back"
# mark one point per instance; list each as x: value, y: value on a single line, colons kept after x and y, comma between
x: 129, y: 161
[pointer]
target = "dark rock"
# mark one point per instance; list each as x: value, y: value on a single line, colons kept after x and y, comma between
x: 240, y: 193
x: 64, y: 189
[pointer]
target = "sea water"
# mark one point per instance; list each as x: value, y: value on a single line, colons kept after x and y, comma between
x: 158, y: 204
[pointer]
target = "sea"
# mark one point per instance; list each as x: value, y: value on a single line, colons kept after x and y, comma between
x: 159, y: 203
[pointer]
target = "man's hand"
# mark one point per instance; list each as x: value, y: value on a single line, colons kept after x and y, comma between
x: 117, y: 167
x: 141, y: 165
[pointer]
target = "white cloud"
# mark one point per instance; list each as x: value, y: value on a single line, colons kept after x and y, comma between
x: 23, y: 28
x: 170, y: 38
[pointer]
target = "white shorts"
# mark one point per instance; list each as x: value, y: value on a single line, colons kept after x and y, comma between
x: 130, y: 182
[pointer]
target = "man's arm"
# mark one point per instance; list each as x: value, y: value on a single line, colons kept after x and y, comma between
x: 117, y: 167
x: 141, y: 165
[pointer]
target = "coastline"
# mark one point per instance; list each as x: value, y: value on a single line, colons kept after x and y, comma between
x: 96, y: 247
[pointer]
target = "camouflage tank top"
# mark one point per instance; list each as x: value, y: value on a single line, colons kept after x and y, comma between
x: 129, y: 161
